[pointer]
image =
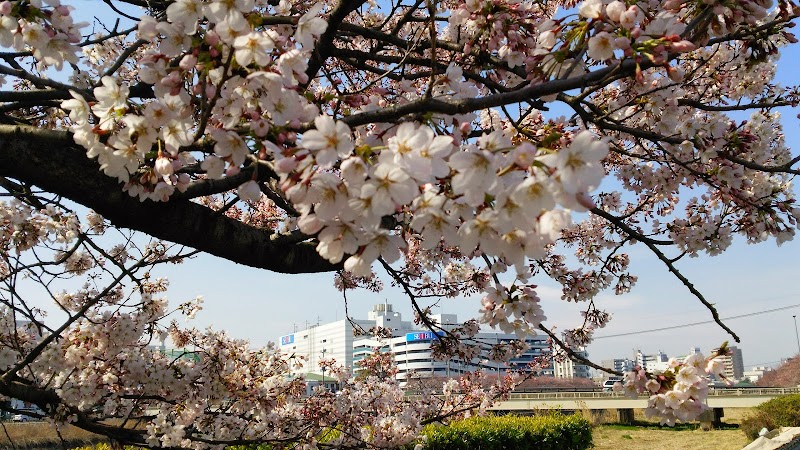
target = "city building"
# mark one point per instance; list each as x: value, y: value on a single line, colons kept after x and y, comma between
x: 756, y: 374
x: 569, y: 369
x: 618, y: 364
x: 652, y: 362
x: 733, y: 366
x: 323, y: 342
x: 411, y: 346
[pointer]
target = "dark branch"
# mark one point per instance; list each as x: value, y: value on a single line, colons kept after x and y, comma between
x: 49, y: 159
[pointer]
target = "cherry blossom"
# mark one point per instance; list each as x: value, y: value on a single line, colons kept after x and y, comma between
x: 374, y: 141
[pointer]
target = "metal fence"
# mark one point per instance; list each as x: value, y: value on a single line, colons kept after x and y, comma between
x: 715, y: 392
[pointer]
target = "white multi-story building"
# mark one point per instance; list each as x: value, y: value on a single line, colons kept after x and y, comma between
x: 410, y: 345
x: 659, y: 361
x: 568, y: 368
x: 414, y: 356
x: 732, y: 364
x: 756, y: 374
x: 335, y: 340
x: 328, y: 341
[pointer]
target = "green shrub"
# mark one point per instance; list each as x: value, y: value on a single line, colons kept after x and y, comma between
x: 782, y: 411
x: 552, y: 432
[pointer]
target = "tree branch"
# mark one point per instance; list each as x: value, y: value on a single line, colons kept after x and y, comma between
x: 49, y: 159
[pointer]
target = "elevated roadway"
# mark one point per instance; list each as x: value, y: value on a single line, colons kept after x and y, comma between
x: 717, y: 398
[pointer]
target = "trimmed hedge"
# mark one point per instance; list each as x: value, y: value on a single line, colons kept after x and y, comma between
x: 551, y: 432
x: 782, y: 411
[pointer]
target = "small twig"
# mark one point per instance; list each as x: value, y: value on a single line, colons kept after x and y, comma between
x: 574, y: 356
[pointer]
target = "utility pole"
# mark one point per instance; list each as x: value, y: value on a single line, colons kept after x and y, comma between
x: 797, y: 335
x: 323, y: 368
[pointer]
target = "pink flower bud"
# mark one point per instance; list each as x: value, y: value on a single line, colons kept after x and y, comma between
x: 163, y: 167
x: 285, y: 165
x: 628, y: 18
x: 675, y: 74
x: 212, y: 38
x: 682, y: 46
x: 615, y: 9
x: 188, y: 62
x: 622, y: 43
x: 5, y: 8
x: 585, y: 200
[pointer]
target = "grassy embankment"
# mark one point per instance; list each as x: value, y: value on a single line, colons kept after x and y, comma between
x: 42, y: 435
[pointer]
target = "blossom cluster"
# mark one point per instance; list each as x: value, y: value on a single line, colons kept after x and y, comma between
x: 45, y: 28
x: 678, y: 393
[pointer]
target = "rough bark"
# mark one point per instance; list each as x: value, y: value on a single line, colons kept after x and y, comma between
x: 53, y: 162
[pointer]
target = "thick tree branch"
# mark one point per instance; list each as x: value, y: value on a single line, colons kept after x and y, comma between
x: 49, y: 159
x: 463, y: 106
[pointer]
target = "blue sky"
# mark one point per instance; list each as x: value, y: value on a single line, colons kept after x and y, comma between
x: 262, y: 306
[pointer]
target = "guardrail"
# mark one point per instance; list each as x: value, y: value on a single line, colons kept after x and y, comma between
x: 719, y: 392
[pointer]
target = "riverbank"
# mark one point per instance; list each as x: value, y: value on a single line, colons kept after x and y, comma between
x: 43, y: 436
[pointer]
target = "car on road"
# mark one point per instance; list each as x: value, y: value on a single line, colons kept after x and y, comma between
x: 21, y: 418
x: 608, y: 385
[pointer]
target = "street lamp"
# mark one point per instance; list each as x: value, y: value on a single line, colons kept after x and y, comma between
x: 323, y: 367
x: 796, y: 334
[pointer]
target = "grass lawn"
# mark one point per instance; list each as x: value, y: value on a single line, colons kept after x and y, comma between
x: 646, y: 434
x: 615, y: 437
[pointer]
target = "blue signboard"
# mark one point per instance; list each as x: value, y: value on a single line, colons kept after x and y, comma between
x: 288, y: 339
x: 421, y: 336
